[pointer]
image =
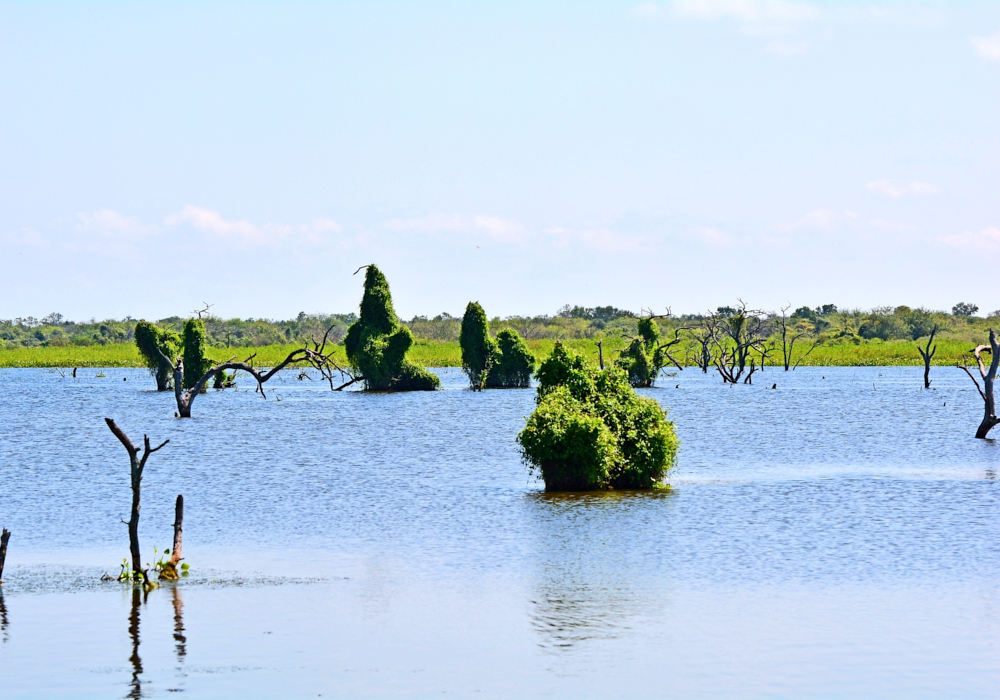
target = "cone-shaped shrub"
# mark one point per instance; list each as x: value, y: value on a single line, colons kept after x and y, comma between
x: 194, y: 341
x: 377, y: 342
x: 592, y: 431
x: 479, y: 351
x: 642, y: 360
x: 515, y: 362
x: 151, y: 339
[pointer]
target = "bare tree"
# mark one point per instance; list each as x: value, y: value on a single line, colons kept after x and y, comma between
x: 315, y: 356
x: 790, y: 333
x: 4, y: 538
x: 702, y: 356
x: 986, y: 391
x: 928, y: 354
x: 138, y: 464
x: 736, y: 338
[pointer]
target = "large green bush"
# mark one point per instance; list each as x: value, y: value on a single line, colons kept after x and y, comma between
x: 591, y: 431
x: 515, y: 363
x: 377, y: 343
x: 151, y: 341
x: 479, y: 351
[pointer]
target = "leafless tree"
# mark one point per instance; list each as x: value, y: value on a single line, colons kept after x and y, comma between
x: 736, y: 339
x: 986, y: 390
x: 702, y: 341
x: 315, y: 356
x: 790, y: 333
x: 928, y: 354
x: 138, y: 464
x: 4, y: 538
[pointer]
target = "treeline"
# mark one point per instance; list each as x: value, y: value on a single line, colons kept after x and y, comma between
x: 825, y: 325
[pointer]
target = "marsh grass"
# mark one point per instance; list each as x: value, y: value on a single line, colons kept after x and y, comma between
x: 441, y: 353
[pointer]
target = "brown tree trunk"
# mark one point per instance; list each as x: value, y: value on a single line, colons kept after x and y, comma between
x: 4, y: 538
x: 175, y: 553
x: 989, y: 375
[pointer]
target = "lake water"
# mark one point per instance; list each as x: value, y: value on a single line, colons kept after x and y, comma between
x: 838, y: 536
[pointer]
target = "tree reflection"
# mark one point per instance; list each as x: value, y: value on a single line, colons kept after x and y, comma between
x: 180, y: 640
x: 3, y: 618
x: 135, y: 690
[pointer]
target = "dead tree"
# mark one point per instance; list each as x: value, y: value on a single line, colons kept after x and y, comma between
x: 986, y: 391
x: 4, y: 538
x: 703, y: 355
x: 138, y: 464
x: 736, y: 338
x: 928, y: 354
x: 168, y: 570
x: 789, y: 335
x: 315, y: 356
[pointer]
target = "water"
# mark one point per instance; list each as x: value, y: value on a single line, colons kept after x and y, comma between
x: 834, y: 537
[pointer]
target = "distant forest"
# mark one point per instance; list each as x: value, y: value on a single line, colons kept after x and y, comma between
x: 824, y: 325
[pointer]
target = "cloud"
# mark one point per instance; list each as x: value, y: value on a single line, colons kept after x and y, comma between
x: 437, y: 223
x: 212, y: 221
x: 751, y: 12
x: 987, y: 240
x: 988, y: 48
x: 713, y: 236
x: 887, y: 188
x: 816, y: 219
x: 109, y: 223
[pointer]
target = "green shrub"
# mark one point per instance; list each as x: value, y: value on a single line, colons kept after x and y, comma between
x: 194, y: 341
x: 151, y: 340
x: 515, y: 363
x: 479, y: 351
x: 643, y: 359
x: 591, y: 430
x: 377, y: 343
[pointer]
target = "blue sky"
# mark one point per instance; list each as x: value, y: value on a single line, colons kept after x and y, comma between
x: 525, y: 155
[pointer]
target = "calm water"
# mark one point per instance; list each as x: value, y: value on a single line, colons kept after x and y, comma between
x: 836, y: 537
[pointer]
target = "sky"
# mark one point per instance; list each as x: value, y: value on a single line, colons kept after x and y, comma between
x: 526, y: 155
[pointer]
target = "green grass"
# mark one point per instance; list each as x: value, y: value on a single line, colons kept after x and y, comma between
x: 447, y: 354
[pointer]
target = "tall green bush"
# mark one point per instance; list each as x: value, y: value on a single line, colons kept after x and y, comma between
x: 515, y: 363
x: 151, y: 341
x: 643, y: 359
x: 194, y: 341
x: 377, y: 343
x: 591, y: 431
x: 479, y: 351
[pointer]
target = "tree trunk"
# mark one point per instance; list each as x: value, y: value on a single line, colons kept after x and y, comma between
x: 175, y: 553
x: 4, y: 537
x: 162, y: 375
x: 989, y: 408
x: 133, y: 521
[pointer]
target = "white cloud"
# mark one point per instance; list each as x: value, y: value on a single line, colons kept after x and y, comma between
x: 751, y: 12
x: 816, y: 219
x: 212, y: 221
x: 988, y: 47
x: 987, y: 240
x: 713, y: 236
x: 436, y: 223
x: 887, y: 188
x: 110, y: 222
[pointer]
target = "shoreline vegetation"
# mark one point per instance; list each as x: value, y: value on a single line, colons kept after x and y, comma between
x: 826, y: 337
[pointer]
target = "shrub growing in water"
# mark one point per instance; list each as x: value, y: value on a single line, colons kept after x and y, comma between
x: 479, y: 351
x: 193, y: 341
x: 591, y: 431
x: 151, y: 340
x: 515, y: 365
x: 643, y: 359
x: 377, y: 342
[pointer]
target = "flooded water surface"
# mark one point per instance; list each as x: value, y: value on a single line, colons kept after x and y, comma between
x: 837, y: 536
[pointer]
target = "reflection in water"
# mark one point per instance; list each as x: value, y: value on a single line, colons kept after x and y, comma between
x: 179, y: 638
x: 133, y: 631
x: 3, y: 618
x: 588, y: 587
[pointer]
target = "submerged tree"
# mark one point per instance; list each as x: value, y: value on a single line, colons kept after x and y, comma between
x: 515, y: 365
x: 737, y: 335
x: 138, y: 464
x: 503, y: 363
x: 193, y: 342
x: 986, y: 390
x: 154, y: 343
x: 377, y: 343
x: 645, y: 356
x: 927, y: 354
x: 479, y: 350
x: 591, y: 431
